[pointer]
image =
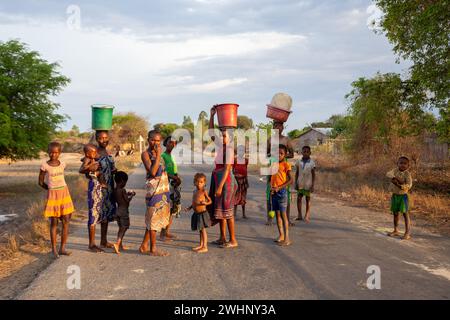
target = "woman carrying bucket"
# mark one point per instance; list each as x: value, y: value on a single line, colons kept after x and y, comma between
x: 223, y: 184
x: 101, y: 203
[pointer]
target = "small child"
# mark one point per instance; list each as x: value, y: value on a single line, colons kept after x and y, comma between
x: 240, y: 173
x: 200, y: 219
x: 175, y: 189
x: 305, y: 176
x: 59, y: 203
x: 401, y: 183
x: 123, y: 199
x: 91, y: 156
x: 279, y: 196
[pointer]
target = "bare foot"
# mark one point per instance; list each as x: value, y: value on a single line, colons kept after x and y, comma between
x: 108, y: 245
x: 95, y: 249
x: 219, y: 242
x: 280, y: 239
x: 171, y: 236
x: 165, y: 239
x: 143, y: 250
x: 285, y: 243
x: 158, y: 253
x: 202, y: 250
x: 55, y: 253
x: 229, y: 245
x: 394, y: 234
x: 406, y: 236
x: 116, y: 248
x: 299, y: 219
x: 307, y: 220
x: 197, y: 248
x: 64, y: 253
x: 124, y: 248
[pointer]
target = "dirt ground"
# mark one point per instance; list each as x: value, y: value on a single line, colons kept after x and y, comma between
x: 21, y: 259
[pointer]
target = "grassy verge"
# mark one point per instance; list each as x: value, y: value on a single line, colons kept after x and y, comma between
x: 366, y: 185
x: 24, y: 243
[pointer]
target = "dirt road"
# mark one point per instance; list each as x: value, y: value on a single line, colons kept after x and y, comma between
x: 328, y: 259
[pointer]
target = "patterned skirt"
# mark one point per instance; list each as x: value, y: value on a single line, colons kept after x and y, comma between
x: 95, y: 202
x: 157, y: 201
x: 222, y: 207
x: 59, y: 203
x: 241, y: 192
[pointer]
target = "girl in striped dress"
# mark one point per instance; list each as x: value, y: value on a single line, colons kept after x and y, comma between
x: 59, y: 204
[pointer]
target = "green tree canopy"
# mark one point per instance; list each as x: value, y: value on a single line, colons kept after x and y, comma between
x: 244, y: 122
x: 128, y: 126
x: 381, y: 108
x: 420, y: 32
x: 27, y: 115
x: 166, y: 129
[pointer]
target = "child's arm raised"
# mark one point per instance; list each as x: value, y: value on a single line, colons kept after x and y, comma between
x: 42, y: 180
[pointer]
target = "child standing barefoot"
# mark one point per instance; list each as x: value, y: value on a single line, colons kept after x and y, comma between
x: 401, y: 183
x: 200, y: 218
x: 59, y: 203
x: 305, y: 177
x: 123, y: 199
x: 240, y: 173
x: 278, y: 183
x: 175, y: 189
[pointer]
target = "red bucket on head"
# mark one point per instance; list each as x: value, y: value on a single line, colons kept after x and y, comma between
x: 277, y: 114
x: 227, y: 115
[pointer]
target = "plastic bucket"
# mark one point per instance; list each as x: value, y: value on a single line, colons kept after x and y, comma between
x: 277, y: 114
x: 227, y: 115
x: 102, y: 115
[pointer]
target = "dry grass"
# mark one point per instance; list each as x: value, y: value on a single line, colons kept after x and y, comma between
x: 365, y: 184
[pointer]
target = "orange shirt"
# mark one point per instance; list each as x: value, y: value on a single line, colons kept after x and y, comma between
x: 280, y: 177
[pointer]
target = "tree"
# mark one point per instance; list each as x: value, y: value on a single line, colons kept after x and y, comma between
x: 342, y: 125
x: 188, y: 124
x: 382, y: 108
x: 127, y: 127
x: 28, y: 117
x: 244, y: 122
x: 419, y: 31
x: 294, y: 134
x: 75, y: 131
x: 321, y: 124
x: 166, y: 129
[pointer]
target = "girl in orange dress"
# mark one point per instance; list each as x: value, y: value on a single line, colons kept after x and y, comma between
x: 59, y: 204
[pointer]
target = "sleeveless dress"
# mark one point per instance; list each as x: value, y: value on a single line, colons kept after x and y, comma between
x: 222, y: 207
x: 157, y: 198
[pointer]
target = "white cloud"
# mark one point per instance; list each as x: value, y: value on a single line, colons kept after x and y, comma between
x: 216, y: 85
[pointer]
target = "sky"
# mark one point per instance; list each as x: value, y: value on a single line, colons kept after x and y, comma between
x: 165, y: 59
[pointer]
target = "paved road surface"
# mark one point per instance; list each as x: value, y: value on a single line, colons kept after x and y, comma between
x: 328, y: 259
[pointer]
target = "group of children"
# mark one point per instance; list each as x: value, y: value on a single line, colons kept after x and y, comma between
x: 59, y: 205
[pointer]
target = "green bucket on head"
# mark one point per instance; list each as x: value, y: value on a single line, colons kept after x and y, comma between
x: 102, y: 115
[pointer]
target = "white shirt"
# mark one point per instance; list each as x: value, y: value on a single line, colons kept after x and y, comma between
x: 304, y: 170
